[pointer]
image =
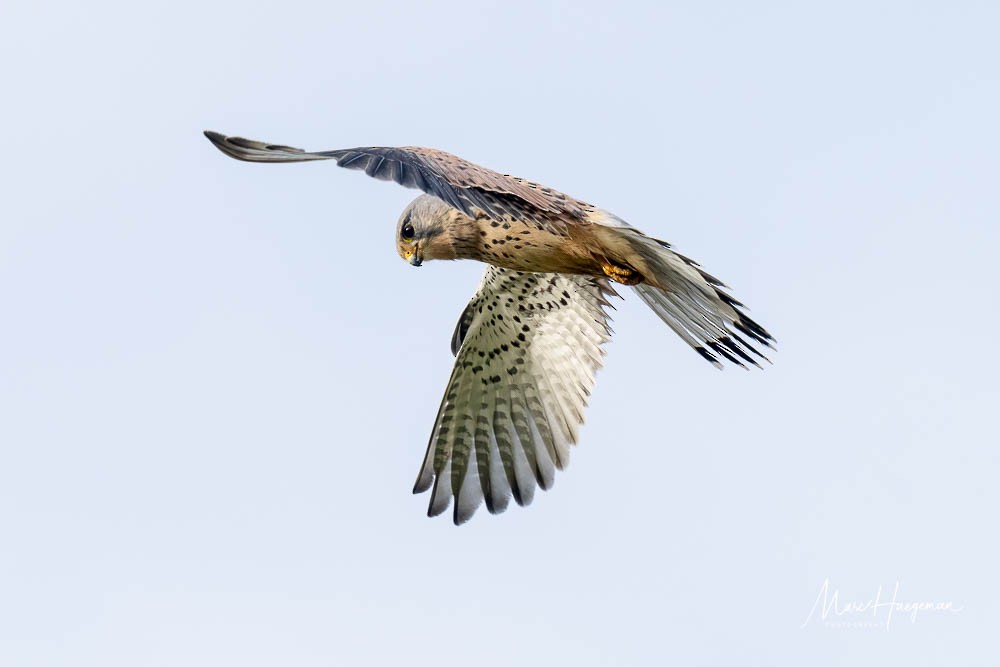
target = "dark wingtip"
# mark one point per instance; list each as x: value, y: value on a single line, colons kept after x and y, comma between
x: 747, y: 326
x: 721, y: 349
x: 221, y: 142
x: 432, y: 511
x: 709, y: 357
x: 457, y: 518
x: 251, y: 150
x: 217, y: 138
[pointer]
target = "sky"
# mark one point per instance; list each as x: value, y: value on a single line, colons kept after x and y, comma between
x: 217, y: 378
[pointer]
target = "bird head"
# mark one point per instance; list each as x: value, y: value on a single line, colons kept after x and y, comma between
x: 423, y: 232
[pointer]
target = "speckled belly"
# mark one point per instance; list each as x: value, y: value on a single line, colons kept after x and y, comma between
x: 516, y: 245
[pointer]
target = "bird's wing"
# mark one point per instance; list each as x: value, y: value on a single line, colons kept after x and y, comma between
x: 691, y: 301
x: 527, y: 348
x: 459, y: 183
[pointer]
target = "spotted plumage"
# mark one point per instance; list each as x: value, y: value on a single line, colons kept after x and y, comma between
x: 527, y: 347
x: 530, y: 341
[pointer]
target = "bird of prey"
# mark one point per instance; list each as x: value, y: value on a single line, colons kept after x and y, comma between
x: 529, y: 342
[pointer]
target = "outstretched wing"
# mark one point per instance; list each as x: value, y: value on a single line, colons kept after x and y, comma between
x: 691, y: 301
x: 528, y: 346
x: 459, y: 183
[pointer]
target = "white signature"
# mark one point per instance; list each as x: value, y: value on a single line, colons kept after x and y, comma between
x: 873, y: 612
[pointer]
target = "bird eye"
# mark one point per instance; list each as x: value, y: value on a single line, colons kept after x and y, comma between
x: 407, y: 232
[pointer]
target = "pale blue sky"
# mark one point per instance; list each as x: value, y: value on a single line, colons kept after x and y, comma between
x: 212, y: 411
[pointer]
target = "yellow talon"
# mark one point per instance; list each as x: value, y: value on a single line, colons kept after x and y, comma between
x: 621, y: 274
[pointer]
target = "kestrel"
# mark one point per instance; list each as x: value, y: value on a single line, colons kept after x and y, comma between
x: 529, y: 342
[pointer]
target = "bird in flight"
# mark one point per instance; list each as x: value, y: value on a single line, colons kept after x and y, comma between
x: 529, y: 342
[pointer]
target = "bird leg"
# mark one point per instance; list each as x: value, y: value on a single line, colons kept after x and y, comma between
x: 621, y: 274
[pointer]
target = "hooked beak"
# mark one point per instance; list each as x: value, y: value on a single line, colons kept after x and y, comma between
x: 416, y: 258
